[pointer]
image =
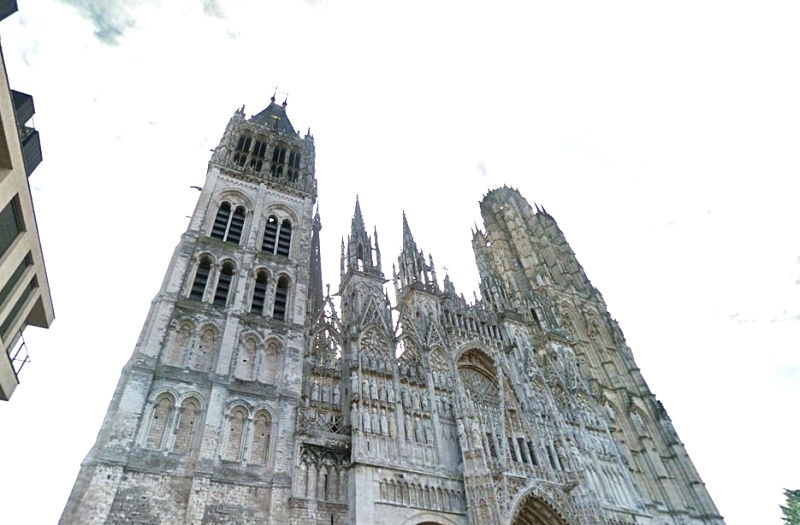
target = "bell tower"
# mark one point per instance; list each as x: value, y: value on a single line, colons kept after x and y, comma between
x: 201, y: 426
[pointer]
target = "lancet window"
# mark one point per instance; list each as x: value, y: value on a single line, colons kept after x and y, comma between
x: 257, y: 156
x: 242, y: 148
x: 224, y: 284
x: 176, y: 355
x: 185, y: 427
x: 259, y: 293
x: 200, y: 279
x: 204, y: 353
x: 281, y: 298
x: 159, y: 421
x: 261, y: 438
x: 236, y: 431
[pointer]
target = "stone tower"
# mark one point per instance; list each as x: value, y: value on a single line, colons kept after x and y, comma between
x: 252, y: 397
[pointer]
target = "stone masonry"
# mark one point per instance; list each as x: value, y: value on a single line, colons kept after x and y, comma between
x: 252, y: 397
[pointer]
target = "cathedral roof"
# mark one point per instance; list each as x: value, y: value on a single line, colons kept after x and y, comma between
x: 274, y: 116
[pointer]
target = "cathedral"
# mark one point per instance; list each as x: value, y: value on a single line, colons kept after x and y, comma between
x: 257, y: 395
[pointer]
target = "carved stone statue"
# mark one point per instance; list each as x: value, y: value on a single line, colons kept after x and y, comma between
x: 428, y: 433
x: 477, y: 442
x: 392, y: 425
x: 406, y: 398
x: 355, y: 417
x: 367, y: 421
x: 419, y: 432
x: 390, y: 392
x: 382, y: 393
x: 373, y: 389
x: 415, y: 399
x: 365, y: 387
x: 354, y: 384
x: 376, y: 422
x: 314, y: 391
x: 336, y: 395
x: 384, y: 423
x: 425, y: 401
x: 409, y: 427
x: 326, y: 393
x: 462, y: 434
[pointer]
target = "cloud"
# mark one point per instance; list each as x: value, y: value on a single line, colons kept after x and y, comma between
x: 213, y: 8
x: 110, y: 18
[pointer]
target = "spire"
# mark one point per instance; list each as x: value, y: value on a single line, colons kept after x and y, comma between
x: 274, y: 116
x: 359, y: 246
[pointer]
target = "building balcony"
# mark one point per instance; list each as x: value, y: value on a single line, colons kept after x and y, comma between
x: 28, y: 136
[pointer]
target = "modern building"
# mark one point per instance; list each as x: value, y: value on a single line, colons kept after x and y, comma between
x: 24, y: 291
x: 255, y: 396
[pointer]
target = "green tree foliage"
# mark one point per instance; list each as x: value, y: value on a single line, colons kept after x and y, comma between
x: 791, y: 511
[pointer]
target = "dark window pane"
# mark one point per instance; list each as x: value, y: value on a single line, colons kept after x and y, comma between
x: 10, y: 225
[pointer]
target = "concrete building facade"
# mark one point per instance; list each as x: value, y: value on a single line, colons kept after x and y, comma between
x: 24, y: 291
x: 256, y: 396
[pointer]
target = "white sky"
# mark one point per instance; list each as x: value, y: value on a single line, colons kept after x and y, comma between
x: 664, y: 140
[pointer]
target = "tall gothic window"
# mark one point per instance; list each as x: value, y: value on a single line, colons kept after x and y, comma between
x: 278, y: 160
x: 228, y: 227
x: 293, y: 168
x: 257, y: 157
x: 259, y: 293
x: 281, y: 297
x: 285, y: 238
x: 242, y: 148
x: 270, y: 235
x: 200, y: 279
x: 158, y: 421
x: 224, y: 284
x: 247, y: 360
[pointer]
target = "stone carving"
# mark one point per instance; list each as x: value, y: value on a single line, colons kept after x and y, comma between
x: 390, y: 393
x: 354, y: 384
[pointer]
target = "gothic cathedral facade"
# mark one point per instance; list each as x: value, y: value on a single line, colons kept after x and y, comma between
x: 254, y: 396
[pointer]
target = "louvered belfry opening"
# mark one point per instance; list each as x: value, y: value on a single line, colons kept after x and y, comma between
x: 285, y: 238
x: 221, y: 221
x: 237, y: 225
x: 270, y: 235
x: 259, y: 294
x: 223, y: 285
x: 200, y: 280
x: 281, y: 295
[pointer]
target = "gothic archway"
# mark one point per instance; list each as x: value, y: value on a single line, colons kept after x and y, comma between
x: 531, y: 509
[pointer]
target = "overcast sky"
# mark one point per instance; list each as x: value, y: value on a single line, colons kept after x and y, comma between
x: 663, y: 139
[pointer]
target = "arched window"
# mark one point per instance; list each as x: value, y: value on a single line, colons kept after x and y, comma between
x: 237, y: 225
x: 185, y: 428
x: 236, y: 423
x: 180, y: 344
x: 158, y: 422
x: 270, y: 235
x: 259, y: 293
x: 200, y: 279
x: 285, y: 238
x: 293, y: 168
x: 221, y: 221
x: 257, y: 157
x: 224, y: 284
x: 228, y: 227
x: 269, y: 366
x: 204, y: 355
x: 247, y: 360
x: 281, y: 297
x: 261, y: 437
x: 360, y: 257
x: 242, y: 148
x: 278, y: 160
